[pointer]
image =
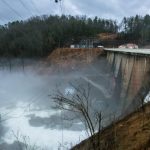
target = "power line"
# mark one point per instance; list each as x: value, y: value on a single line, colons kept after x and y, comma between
x: 2, y: 19
x: 33, y: 4
x: 60, y: 5
x: 7, y: 4
x: 23, y: 4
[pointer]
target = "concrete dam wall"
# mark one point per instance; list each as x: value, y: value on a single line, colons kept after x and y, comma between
x: 131, y: 73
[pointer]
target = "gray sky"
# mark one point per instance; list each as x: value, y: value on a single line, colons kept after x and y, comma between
x: 11, y: 10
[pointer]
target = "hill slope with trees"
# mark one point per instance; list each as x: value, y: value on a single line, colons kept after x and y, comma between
x: 38, y: 36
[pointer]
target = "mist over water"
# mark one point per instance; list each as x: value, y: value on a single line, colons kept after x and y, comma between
x: 26, y: 107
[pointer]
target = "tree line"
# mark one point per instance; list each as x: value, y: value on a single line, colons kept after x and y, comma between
x: 136, y: 29
x: 39, y: 35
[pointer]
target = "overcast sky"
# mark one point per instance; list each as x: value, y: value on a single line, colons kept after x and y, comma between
x: 11, y: 10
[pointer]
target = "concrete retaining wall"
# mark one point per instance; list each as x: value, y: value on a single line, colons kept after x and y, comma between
x: 133, y: 69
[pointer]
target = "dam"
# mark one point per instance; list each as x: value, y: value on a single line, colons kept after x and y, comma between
x: 131, y: 67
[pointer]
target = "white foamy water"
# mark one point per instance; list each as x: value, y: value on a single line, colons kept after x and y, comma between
x: 18, y: 122
x: 147, y: 98
x: 25, y: 94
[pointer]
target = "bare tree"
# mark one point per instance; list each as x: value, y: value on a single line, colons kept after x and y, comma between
x: 80, y: 104
x: 23, y: 142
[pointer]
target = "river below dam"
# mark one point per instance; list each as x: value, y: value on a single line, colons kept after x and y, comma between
x: 27, y: 116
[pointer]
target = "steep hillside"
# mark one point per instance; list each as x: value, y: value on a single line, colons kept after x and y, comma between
x: 66, y: 58
x: 107, y: 36
x: 130, y: 133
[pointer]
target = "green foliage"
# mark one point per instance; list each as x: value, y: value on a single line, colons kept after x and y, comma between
x: 136, y: 29
x: 38, y: 36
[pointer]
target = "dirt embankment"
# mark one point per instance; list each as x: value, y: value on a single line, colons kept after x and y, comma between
x: 130, y: 133
x: 72, y: 58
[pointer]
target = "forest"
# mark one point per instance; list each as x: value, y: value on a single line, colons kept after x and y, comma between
x: 40, y: 35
